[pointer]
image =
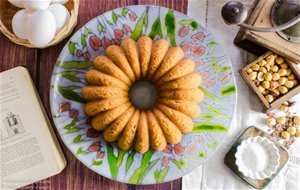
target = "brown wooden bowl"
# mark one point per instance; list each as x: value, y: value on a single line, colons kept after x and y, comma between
x: 7, y: 11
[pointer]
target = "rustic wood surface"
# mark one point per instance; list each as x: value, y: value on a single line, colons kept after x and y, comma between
x: 40, y: 64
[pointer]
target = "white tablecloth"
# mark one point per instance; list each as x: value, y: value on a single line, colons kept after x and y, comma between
x: 214, y: 174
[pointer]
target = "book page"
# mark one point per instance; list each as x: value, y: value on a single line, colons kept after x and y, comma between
x: 29, y: 151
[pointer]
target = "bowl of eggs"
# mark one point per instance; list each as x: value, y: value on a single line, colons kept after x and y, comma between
x: 38, y: 23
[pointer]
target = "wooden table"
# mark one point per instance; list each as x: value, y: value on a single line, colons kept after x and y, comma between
x: 40, y: 64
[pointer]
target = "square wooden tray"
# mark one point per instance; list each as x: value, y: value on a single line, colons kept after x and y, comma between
x: 229, y: 158
x: 278, y: 101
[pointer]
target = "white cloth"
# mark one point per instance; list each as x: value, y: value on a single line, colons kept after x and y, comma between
x: 214, y: 174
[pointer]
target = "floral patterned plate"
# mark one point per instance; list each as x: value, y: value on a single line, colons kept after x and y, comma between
x: 152, y: 167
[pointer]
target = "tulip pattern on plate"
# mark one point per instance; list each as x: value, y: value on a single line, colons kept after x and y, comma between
x: 152, y: 167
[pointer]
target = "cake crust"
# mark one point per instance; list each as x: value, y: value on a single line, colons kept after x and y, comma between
x: 145, y: 46
x: 184, y: 67
x: 187, y: 107
x: 159, y: 49
x: 102, y: 92
x: 130, y: 49
x: 94, y: 107
x: 101, y: 120
x: 142, y: 136
x: 113, y: 131
x: 127, y: 138
x: 104, y: 64
x: 117, y: 55
x: 94, y: 77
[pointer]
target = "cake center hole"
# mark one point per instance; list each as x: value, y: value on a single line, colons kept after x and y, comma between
x: 143, y: 94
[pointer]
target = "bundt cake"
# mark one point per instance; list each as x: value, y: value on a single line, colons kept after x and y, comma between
x: 143, y: 94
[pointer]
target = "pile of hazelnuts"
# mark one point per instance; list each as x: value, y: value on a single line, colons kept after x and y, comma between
x: 272, y: 76
x: 284, y: 127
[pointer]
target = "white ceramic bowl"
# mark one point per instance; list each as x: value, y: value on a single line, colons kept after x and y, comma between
x: 257, y: 158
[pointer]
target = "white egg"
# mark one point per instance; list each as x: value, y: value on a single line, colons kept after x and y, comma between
x: 59, y: 1
x: 19, y: 23
x: 61, y: 15
x: 40, y: 28
x: 34, y: 5
x: 17, y: 3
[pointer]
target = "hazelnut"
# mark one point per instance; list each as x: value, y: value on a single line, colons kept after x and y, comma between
x: 283, y: 89
x: 286, y: 103
x: 284, y: 65
x: 266, y: 92
x: 271, y: 121
x: 282, y: 72
x: 256, y: 82
x: 268, y: 76
x: 255, y: 67
x: 297, y: 133
x: 263, y: 70
x: 284, y: 108
x: 268, y: 67
x: 269, y: 98
x: 260, y: 77
x: 296, y: 120
x: 289, y: 84
x: 273, y: 84
x: 253, y: 75
x: 285, y: 135
x: 288, y: 72
x: 291, y: 77
x: 262, y: 62
x: 261, y: 89
x: 295, y: 82
x: 291, y: 130
x: 281, y: 120
x: 275, y: 76
x: 271, y: 59
x: 275, y: 93
x: 282, y: 80
x: 279, y: 60
x: 249, y: 71
x: 274, y: 68
x: 266, y: 84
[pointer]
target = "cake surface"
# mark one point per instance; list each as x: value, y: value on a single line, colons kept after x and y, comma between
x: 160, y: 112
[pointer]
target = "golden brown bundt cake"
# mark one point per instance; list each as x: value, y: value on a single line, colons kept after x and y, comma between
x: 146, y: 69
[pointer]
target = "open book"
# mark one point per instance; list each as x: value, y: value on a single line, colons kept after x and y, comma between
x: 29, y: 148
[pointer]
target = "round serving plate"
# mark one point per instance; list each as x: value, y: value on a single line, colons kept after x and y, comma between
x: 152, y: 167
